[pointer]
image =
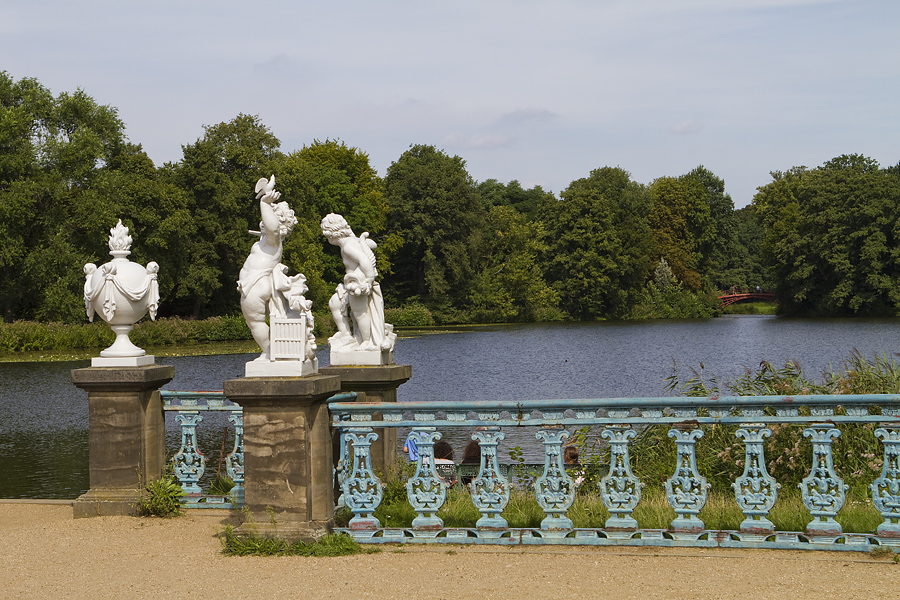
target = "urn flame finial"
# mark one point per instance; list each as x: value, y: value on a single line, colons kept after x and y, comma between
x: 119, y: 240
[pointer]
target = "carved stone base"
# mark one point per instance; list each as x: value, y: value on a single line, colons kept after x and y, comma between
x: 361, y: 357
x: 107, y: 503
x: 123, y: 361
x: 287, y: 454
x: 281, y: 368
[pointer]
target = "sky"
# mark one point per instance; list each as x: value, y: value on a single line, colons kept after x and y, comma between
x: 539, y: 92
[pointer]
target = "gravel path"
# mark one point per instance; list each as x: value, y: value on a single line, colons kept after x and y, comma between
x: 45, y: 553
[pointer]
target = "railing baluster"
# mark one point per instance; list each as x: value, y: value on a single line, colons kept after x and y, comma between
x: 822, y: 490
x: 755, y: 491
x: 362, y: 489
x: 554, y: 490
x: 886, y: 489
x: 426, y: 490
x: 620, y: 490
x: 234, y: 462
x: 686, y: 490
x: 490, y: 490
x: 189, y: 462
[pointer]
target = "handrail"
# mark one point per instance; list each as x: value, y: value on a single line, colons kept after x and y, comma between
x: 823, y: 492
x: 634, y: 411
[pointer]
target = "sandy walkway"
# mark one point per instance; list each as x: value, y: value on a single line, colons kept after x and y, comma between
x: 44, y: 553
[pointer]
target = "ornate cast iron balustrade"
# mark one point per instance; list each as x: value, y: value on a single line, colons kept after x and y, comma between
x: 823, y: 492
x: 189, y: 463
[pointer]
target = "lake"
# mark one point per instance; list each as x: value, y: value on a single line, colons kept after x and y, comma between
x: 43, y: 430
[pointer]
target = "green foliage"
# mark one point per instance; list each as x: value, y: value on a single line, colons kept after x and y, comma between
x: 221, y: 486
x: 675, y: 302
x: 161, y: 498
x: 832, y: 237
x: 329, y: 545
x: 409, y: 315
x: 218, y: 173
x: 597, y: 244
x: 510, y: 285
x: 26, y: 336
x: 436, y: 211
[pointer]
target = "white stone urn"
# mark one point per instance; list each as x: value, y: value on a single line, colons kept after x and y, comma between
x: 121, y: 292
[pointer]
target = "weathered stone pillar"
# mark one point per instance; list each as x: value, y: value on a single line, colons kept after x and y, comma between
x: 375, y: 384
x: 127, y: 436
x: 287, y: 455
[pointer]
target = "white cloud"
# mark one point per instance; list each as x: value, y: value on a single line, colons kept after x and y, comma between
x: 477, y: 141
x: 687, y: 127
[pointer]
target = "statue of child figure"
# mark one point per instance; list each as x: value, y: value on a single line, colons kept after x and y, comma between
x: 358, y: 300
x: 266, y: 289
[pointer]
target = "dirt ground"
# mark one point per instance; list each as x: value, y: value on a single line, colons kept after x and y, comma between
x: 45, y: 553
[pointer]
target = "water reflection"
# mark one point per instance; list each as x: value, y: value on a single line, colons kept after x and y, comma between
x: 43, y: 432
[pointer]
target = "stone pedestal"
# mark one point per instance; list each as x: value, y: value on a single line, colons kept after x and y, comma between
x: 287, y: 455
x: 127, y: 437
x: 375, y: 384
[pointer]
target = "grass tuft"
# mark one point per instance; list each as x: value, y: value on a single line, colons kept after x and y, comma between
x: 330, y: 545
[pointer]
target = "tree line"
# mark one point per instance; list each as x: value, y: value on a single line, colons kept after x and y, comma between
x: 450, y: 247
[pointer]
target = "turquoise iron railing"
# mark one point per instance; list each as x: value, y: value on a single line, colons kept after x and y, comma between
x: 823, y: 492
x: 189, y: 463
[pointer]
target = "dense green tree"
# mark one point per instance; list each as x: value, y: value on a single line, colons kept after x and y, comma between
x: 326, y: 177
x: 509, y: 284
x: 527, y: 202
x: 695, y: 229
x: 218, y: 173
x: 436, y: 210
x: 832, y: 237
x: 598, y: 244
x: 669, y: 221
x: 52, y: 217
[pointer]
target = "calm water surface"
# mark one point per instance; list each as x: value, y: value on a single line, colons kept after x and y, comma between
x: 43, y: 429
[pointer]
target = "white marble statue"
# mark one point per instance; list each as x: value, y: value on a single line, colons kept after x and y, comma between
x: 362, y: 338
x: 121, y: 292
x: 267, y: 291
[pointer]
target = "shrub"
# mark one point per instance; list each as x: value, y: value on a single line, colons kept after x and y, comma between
x: 161, y: 498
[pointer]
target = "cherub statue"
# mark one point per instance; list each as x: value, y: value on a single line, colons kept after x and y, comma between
x: 358, y: 300
x: 263, y: 281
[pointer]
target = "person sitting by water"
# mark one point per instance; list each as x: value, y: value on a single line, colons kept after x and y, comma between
x: 471, y: 456
x: 443, y: 461
x: 573, y: 467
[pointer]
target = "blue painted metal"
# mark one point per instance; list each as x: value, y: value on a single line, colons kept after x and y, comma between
x: 686, y: 490
x: 490, y: 490
x: 620, y: 490
x: 554, y: 489
x: 756, y: 491
x: 886, y: 488
x: 426, y: 490
x: 823, y: 492
x: 234, y: 462
x: 361, y: 488
x: 189, y: 461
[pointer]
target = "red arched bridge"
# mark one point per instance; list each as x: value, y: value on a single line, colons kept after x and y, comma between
x: 729, y: 299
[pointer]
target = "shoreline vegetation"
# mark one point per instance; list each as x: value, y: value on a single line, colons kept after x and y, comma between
x: 174, y: 336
